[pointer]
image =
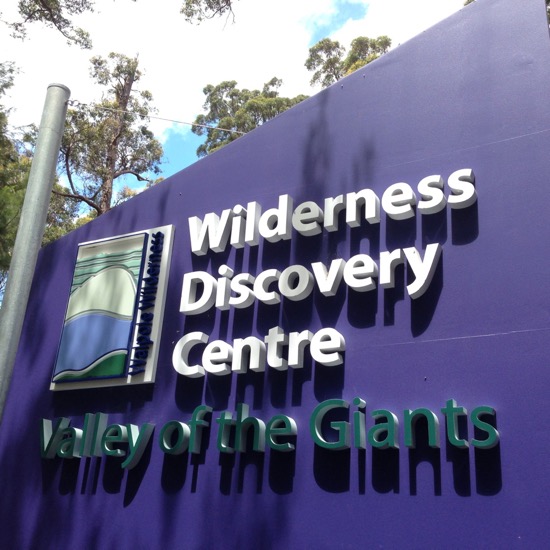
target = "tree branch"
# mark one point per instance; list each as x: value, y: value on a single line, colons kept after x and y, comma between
x: 78, y: 196
x: 131, y: 173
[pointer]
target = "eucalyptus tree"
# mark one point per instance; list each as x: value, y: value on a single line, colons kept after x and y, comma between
x: 106, y: 140
x: 328, y: 59
x: 60, y: 14
x: 56, y: 14
x: 232, y: 112
x: 325, y: 58
x: 198, y: 10
x: 11, y: 180
x: 15, y: 164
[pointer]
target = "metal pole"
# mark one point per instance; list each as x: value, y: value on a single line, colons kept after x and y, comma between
x: 30, y: 231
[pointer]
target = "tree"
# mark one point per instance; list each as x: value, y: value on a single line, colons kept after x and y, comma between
x: 58, y: 14
x: 54, y: 14
x: 11, y: 180
x: 14, y: 174
x: 327, y: 59
x: 231, y: 112
x: 107, y: 140
x: 62, y: 215
x: 363, y: 50
x: 60, y: 220
x: 198, y: 10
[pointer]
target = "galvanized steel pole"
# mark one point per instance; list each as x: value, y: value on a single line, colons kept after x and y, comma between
x: 30, y: 231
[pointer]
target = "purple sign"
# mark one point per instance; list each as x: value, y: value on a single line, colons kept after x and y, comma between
x: 351, y: 340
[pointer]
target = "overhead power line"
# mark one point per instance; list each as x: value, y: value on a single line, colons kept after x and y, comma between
x: 76, y: 103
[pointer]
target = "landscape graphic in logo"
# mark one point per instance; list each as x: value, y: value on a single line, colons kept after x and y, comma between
x: 98, y: 327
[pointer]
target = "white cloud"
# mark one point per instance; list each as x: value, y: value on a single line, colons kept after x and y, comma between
x: 401, y: 20
x: 267, y: 39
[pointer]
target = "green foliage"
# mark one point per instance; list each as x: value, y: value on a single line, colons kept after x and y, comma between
x: 231, y: 112
x: 12, y: 180
x: 363, y: 50
x: 199, y: 10
x: 326, y: 58
x: 109, y: 139
x: 55, y: 14
x: 62, y: 215
x: 60, y: 220
x: 58, y: 15
x: 11, y: 200
x: 14, y: 174
x: 7, y: 72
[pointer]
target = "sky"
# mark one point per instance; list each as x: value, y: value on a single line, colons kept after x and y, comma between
x: 266, y: 38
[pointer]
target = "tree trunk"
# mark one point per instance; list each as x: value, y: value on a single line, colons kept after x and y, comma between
x: 123, y: 94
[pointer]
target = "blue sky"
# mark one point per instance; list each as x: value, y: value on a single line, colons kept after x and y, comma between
x: 179, y: 151
x: 345, y: 11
